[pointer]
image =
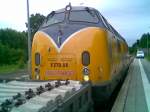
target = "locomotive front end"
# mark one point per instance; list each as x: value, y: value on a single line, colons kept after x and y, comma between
x: 64, y: 45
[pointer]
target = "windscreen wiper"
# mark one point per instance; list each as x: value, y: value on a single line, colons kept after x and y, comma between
x: 50, y: 15
x: 89, y: 11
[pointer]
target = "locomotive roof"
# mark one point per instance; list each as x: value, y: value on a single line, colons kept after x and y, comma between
x: 79, y: 8
x: 75, y: 8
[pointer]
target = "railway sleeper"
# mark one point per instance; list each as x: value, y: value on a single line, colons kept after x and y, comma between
x: 52, y: 96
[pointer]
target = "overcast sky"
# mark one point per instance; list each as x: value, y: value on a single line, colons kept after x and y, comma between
x: 131, y: 18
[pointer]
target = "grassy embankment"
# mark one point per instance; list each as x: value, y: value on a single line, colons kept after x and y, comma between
x: 8, y: 68
x: 4, y: 69
x: 148, y: 58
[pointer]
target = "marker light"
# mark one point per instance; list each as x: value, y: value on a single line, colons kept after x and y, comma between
x: 37, y: 59
x: 37, y: 73
x: 86, y: 71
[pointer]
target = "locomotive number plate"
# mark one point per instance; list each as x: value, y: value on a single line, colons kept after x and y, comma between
x: 61, y: 64
x: 59, y: 72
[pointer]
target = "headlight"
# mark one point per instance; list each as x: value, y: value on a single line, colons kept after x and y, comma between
x: 37, y: 77
x: 86, y: 78
x: 86, y: 73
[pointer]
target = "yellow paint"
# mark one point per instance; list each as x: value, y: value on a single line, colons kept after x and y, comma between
x: 91, y: 39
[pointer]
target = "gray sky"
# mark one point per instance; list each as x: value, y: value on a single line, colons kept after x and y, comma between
x: 131, y: 18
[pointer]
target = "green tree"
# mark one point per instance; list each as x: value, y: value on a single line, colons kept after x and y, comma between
x: 13, y: 38
x: 36, y: 21
x: 141, y: 43
x: 13, y: 46
x: 143, y: 40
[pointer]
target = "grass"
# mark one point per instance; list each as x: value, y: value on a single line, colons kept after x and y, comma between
x: 148, y: 58
x: 4, y: 69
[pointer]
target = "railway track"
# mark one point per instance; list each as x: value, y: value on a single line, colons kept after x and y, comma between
x: 48, y: 96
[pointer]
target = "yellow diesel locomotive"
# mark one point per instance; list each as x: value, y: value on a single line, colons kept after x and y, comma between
x: 77, y: 43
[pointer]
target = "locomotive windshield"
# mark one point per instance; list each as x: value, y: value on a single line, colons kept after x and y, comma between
x: 83, y: 16
x: 54, y: 18
x: 86, y: 15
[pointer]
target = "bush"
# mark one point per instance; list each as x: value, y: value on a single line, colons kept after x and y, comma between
x: 21, y: 64
x: 148, y: 57
x: 13, y: 47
